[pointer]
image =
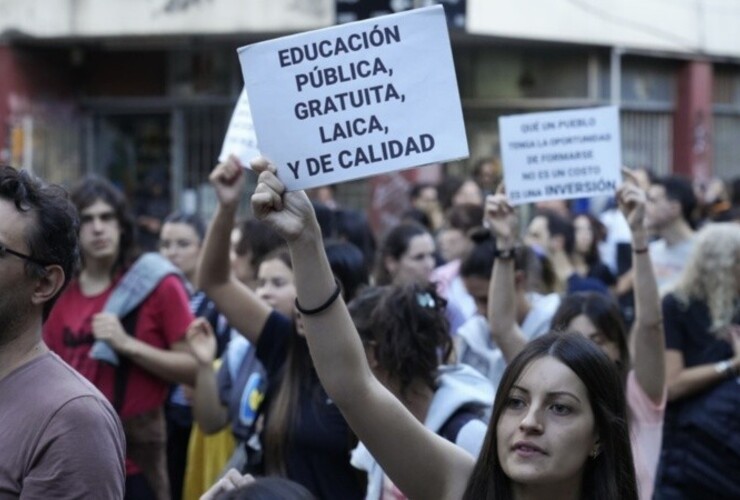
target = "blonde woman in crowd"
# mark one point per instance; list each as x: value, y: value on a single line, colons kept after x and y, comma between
x: 701, y: 441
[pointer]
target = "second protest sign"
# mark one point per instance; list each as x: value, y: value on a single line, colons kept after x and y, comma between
x: 561, y: 154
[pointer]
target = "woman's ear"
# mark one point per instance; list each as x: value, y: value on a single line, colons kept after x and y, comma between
x: 520, y: 278
x: 372, y: 359
x: 391, y: 265
x: 557, y: 243
x: 596, y: 449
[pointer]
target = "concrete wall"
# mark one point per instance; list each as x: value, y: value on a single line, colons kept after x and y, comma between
x: 682, y: 26
x: 92, y: 18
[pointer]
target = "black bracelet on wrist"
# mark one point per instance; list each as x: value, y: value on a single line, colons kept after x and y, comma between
x: 641, y: 250
x: 322, y: 307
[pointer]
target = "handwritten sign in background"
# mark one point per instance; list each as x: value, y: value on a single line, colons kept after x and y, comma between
x: 240, y: 139
x: 356, y: 100
x: 561, y: 154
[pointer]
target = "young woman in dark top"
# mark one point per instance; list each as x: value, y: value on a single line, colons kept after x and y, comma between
x: 701, y: 437
x: 305, y: 437
x: 589, y: 231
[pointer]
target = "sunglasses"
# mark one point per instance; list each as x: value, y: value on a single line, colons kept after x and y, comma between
x: 5, y: 250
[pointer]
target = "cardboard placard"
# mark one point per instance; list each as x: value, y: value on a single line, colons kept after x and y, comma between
x: 561, y: 154
x: 356, y: 100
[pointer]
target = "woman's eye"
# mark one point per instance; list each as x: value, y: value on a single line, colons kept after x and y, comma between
x: 515, y: 403
x: 598, y: 339
x: 558, y: 409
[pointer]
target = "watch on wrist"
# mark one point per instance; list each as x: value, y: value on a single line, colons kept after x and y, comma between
x: 724, y: 367
x: 504, y: 253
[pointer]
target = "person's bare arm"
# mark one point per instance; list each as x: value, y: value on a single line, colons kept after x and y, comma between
x: 245, y: 311
x: 500, y: 218
x: 647, y: 343
x: 395, y: 438
x: 176, y: 364
x: 211, y: 415
x: 684, y: 382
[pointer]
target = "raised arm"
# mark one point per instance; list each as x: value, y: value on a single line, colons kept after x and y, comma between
x: 394, y: 437
x: 500, y: 218
x: 241, y: 306
x: 647, y: 342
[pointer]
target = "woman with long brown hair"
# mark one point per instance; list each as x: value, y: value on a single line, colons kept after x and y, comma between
x: 305, y: 437
x: 559, y: 426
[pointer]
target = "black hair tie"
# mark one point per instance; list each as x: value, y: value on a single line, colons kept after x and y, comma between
x: 322, y: 307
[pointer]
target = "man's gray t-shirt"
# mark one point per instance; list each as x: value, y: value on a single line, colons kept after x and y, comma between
x: 59, y: 436
x: 669, y: 262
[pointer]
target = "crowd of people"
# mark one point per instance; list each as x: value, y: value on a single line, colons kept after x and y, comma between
x: 474, y: 351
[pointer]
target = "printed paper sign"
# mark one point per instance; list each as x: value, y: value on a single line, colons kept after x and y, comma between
x: 240, y: 139
x: 561, y: 155
x: 356, y: 100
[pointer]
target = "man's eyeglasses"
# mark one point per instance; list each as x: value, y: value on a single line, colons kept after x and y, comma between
x: 5, y: 250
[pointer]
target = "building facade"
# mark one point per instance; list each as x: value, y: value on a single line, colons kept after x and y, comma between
x: 141, y: 91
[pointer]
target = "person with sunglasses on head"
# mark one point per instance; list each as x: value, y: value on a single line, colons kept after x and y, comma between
x: 304, y: 437
x: 59, y: 435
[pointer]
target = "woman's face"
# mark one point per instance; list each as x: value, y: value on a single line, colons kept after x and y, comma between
x: 583, y: 325
x: 275, y: 286
x: 538, y: 234
x: 179, y: 243
x: 584, y: 234
x: 477, y: 288
x: 416, y: 264
x: 469, y: 193
x: 453, y: 244
x: 547, y: 429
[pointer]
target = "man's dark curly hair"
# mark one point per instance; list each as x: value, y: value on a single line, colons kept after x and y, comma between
x: 53, y: 238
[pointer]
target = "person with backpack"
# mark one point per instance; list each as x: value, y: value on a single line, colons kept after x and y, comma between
x: 122, y: 323
x: 304, y: 437
x: 180, y: 242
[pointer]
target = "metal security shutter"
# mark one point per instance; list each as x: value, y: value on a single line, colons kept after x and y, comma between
x: 726, y: 139
x: 647, y: 140
x: 205, y: 128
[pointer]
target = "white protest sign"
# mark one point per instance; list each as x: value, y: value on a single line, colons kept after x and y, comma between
x: 356, y: 100
x: 240, y: 140
x: 561, y: 154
